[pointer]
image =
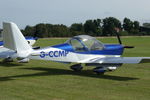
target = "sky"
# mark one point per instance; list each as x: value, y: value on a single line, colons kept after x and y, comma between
x: 32, y: 12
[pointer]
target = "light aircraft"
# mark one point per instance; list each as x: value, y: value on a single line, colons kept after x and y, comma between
x: 81, y: 49
x: 30, y: 40
x: 5, y: 52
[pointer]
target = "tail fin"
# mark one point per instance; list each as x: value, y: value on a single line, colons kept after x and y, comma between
x: 14, y: 39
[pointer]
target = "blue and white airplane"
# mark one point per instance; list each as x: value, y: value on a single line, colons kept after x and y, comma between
x: 82, y: 49
x: 30, y: 40
x: 5, y: 52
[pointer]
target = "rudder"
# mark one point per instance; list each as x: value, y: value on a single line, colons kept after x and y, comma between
x: 13, y: 39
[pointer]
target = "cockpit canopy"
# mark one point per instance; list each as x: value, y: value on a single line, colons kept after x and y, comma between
x: 85, y: 43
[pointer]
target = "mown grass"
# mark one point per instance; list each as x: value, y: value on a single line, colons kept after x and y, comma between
x: 46, y: 80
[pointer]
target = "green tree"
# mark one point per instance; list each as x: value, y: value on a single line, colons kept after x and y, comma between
x: 136, y: 25
x: 60, y: 31
x: 77, y: 27
x: 93, y: 27
x: 127, y: 25
x: 109, y: 25
x: 29, y: 31
x: 136, y: 28
x: 96, y: 27
x: 89, y: 27
x: 41, y: 30
x: 49, y: 29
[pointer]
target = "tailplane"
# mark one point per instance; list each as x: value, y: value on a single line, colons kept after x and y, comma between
x: 14, y: 40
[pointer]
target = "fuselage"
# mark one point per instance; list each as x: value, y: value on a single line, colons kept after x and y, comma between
x: 66, y: 53
x: 79, y: 49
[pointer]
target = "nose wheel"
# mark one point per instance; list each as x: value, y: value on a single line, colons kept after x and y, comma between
x: 76, y: 67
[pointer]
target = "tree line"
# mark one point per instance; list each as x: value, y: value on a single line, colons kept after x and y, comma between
x: 97, y: 27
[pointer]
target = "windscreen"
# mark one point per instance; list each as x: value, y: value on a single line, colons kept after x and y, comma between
x: 85, y: 42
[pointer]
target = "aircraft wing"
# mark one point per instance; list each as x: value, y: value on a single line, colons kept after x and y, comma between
x: 120, y: 60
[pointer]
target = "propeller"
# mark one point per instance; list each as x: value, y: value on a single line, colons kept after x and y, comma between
x: 119, y: 40
x: 129, y: 47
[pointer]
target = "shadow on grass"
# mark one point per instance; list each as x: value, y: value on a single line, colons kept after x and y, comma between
x: 9, y: 64
x: 55, y: 71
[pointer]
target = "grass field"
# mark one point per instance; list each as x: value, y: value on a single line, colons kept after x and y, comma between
x: 45, y: 80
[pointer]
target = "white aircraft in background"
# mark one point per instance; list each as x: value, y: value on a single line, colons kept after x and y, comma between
x: 82, y: 49
x: 5, y: 52
x: 31, y: 41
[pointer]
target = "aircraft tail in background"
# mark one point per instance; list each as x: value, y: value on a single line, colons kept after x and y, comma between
x: 14, y: 40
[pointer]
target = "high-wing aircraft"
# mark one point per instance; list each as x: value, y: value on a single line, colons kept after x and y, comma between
x: 5, y: 52
x: 81, y: 49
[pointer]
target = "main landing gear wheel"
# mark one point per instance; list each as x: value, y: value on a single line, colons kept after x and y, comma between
x: 9, y: 59
x: 76, y: 67
x: 99, y: 70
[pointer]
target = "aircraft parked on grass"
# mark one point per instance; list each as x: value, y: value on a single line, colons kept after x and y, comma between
x: 5, y: 53
x: 81, y: 49
x: 30, y: 40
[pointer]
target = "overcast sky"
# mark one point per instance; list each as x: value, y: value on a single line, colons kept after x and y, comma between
x: 31, y: 12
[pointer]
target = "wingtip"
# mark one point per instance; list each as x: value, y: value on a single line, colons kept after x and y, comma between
x: 145, y: 61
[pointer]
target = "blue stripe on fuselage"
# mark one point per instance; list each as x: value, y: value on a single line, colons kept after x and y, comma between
x: 64, y: 46
x: 115, y: 49
x: 1, y: 43
x: 110, y: 49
